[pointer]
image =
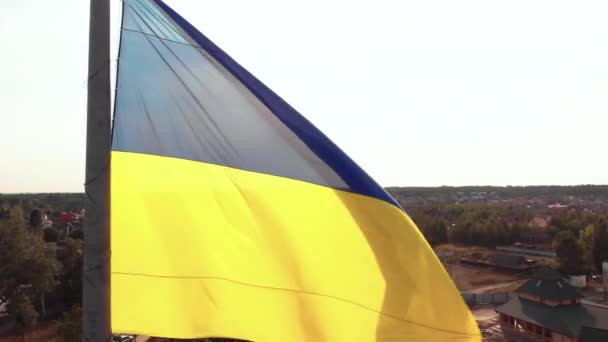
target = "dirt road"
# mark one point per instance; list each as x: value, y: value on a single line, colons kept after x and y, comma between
x: 497, y: 286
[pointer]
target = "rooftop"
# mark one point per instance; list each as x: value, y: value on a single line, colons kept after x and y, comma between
x: 549, y: 284
x: 509, y: 260
x: 547, y: 273
x: 568, y: 319
x: 593, y: 335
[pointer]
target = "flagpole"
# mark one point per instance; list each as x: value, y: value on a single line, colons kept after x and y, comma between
x: 96, y: 265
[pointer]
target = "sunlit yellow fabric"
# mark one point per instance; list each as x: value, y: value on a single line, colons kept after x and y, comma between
x: 201, y: 250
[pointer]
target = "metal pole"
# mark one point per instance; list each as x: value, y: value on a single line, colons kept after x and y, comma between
x: 96, y: 273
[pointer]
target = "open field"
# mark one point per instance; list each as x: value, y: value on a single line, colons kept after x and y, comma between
x: 470, y: 277
x: 459, y: 249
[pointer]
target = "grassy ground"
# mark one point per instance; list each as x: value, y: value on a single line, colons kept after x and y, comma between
x: 595, y: 284
x: 43, y: 332
x: 449, y: 247
x: 507, y: 288
x: 470, y: 277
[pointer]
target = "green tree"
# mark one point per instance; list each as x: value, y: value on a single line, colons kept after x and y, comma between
x: 15, y: 213
x: 433, y: 229
x: 70, y: 256
x: 77, y: 234
x: 14, y: 202
x: 436, y: 231
x: 35, y: 221
x: 569, y: 256
x: 4, y: 213
x: 600, y: 242
x: 27, y: 266
x: 50, y: 235
x: 69, y: 327
x: 586, y: 241
x: 21, y: 307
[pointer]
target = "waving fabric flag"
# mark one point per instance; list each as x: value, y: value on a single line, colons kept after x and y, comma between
x: 233, y: 216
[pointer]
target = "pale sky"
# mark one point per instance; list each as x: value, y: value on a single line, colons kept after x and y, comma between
x: 419, y: 93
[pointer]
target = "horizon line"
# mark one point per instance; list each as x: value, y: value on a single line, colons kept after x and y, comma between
x: 385, y: 187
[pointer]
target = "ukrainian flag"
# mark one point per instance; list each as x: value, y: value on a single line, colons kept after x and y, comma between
x: 233, y: 216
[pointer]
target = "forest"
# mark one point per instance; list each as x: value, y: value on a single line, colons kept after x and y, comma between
x: 579, y: 237
x: 553, y: 191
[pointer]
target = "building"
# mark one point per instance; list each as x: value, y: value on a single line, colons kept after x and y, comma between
x: 548, y: 308
x: 539, y: 222
x: 46, y: 223
x: 593, y: 335
x: 511, y: 262
x: 66, y: 217
x: 557, y: 206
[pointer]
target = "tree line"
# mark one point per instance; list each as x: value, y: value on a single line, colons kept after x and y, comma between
x: 579, y: 237
x: 581, y: 251
x: 55, y: 202
x: 471, y: 224
x: 40, y: 272
x: 595, y: 191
